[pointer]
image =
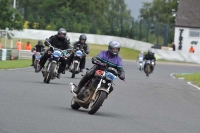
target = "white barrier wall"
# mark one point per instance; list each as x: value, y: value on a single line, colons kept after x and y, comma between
x: 104, y: 40
x: 91, y: 38
x: 177, y: 56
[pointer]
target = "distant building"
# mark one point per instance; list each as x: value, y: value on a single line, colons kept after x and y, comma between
x: 187, y: 26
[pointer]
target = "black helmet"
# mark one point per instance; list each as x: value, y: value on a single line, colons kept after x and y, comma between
x: 114, y: 44
x: 149, y: 51
x: 82, y: 37
x: 40, y: 42
x: 62, y: 33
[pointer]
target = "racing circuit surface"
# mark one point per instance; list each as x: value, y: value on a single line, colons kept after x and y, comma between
x: 154, y: 104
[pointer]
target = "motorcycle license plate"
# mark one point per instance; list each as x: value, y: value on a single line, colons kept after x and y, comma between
x: 110, y: 76
x: 140, y: 59
x: 148, y: 62
x: 37, y: 56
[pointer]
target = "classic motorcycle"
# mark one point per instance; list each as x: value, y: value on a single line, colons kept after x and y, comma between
x: 140, y: 62
x: 38, y: 55
x: 50, y: 70
x: 148, y: 66
x: 75, y: 65
x: 95, y: 91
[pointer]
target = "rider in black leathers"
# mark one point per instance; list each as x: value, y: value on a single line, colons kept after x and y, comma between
x: 60, y: 41
x: 38, y: 48
x: 81, y: 45
x: 149, y: 56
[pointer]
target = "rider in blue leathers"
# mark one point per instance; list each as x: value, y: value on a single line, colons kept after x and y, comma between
x: 109, y: 58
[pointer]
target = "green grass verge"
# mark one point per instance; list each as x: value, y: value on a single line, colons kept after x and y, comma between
x: 193, y: 77
x: 9, y: 64
x: 125, y: 53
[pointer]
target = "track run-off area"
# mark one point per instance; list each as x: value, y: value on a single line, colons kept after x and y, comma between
x: 155, y: 104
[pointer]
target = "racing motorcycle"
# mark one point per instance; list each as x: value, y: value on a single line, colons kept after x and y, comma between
x: 50, y: 70
x: 149, y: 64
x: 75, y: 65
x: 95, y: 91
x: 140, y: 62
x: 38, y: 55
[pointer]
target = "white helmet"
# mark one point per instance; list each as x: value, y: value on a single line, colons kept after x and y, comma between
x: 141, y: 52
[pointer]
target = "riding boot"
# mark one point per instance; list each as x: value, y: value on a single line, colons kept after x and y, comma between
x: 33, y: 59
x: 81, y: 84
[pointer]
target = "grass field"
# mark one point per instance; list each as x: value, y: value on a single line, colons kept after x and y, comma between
x: 193, y: 77
x: 125, y: 53
x: 14, y: 64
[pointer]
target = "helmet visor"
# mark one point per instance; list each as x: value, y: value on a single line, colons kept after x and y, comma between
x: 115, y: 50
x: 62, y: 35
x: 82, y: 41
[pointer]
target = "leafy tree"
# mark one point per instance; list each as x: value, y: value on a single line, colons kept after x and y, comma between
x: 76, y: 15
x: 159, y: 10
x: 9, y: 17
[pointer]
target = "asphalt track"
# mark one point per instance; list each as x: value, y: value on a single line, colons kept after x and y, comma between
x: 155, y: 104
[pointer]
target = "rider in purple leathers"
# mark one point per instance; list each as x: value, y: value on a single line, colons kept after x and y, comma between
x: 109, y: 58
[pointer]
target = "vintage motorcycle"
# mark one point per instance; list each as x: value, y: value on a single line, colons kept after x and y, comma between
x: 95, y: 91
x: 75, y: 65
x: 50, y: 70
x: 140, y: 62
x: 148, y: 66
x: 38, y: 55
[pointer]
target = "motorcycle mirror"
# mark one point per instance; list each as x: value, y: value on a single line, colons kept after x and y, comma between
x: 87, y: 69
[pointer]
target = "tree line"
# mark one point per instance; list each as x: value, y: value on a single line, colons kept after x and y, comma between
x: 108, y: 17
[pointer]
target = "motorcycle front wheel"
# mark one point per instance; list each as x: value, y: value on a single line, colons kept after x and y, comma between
x: 74, y: 70
x: 97, y: 103
x: 51, y: 71
x: 147, y: 70
x: 36, y: 65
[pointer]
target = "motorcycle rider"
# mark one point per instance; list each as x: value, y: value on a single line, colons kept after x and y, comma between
x: 141, y: 54
x: 38, y: 48
x: 149, y: 56
x: 140, y: 58
x: 60, y: 41
x: 109, y: 58
x: 81, y: 45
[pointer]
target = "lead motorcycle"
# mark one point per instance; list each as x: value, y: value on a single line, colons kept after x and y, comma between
x: 149, y: 64
x: 50, y: 70
x: 75, y: 65
x: 95, y: 91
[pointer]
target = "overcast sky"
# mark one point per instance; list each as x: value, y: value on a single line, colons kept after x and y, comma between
x: 135, y: 5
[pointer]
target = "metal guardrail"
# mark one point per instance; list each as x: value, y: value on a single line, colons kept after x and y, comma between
x: 22, y: 54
